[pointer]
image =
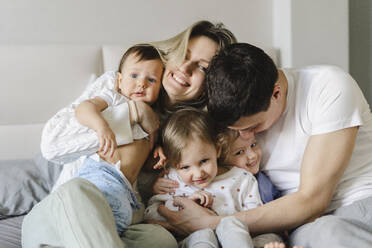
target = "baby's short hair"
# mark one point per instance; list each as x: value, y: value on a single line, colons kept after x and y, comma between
x: 142, y: 51
x: 226, y: 138
x: 183, y: 126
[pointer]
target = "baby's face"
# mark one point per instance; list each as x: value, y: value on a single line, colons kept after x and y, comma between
x: 141, y: 80
x: 198, y: 164
x: 245, y: 154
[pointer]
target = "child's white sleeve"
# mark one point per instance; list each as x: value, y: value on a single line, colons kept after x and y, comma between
x: 250, y: 197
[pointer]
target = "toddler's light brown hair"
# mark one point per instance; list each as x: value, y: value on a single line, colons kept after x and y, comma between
x: 181, y: 128
x: 226, y: 138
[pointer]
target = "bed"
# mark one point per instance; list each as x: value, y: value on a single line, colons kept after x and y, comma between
x: 37, y: 81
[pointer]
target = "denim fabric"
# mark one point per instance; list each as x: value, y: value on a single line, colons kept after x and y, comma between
x: 268, y: 191
x: 117, y: 192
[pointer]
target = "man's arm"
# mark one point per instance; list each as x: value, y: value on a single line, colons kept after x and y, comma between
x: 325, y: 159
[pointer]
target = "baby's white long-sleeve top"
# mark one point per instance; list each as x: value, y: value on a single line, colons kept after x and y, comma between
x: 233, y: 191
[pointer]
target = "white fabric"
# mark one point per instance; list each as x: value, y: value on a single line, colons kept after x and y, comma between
x: 64, y: 139
x: 231, y: 232
x: 233, y: 191
x: 320, y: 99
x: 204, y: 238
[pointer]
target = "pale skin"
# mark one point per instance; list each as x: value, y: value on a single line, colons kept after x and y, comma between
x: 132, y: 157
x: 278, y: 245
x: 184, y: 82
x: 315, y: 190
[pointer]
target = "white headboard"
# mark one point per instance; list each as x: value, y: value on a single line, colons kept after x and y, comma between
x: 38, y: 80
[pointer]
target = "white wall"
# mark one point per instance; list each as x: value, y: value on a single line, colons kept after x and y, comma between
x: 112, y: 21
x: 306, y: 32
x: 312, y: 32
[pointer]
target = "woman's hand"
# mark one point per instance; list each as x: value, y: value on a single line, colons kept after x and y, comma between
x: 164, y: 185
x: 107, y: 141
x: 158, y: 152
x: 147, y: 118
x: 191, y: 217
x: 203, y: 198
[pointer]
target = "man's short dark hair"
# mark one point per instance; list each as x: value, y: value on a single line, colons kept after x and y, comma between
x: 240, y: 82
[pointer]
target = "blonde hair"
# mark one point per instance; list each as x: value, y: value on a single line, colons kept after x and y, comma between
x: 174, y: 50
x: 226, y: 138
x: 182, y: 127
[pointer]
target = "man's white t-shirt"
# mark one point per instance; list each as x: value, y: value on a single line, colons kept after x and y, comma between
x: 320, y: 99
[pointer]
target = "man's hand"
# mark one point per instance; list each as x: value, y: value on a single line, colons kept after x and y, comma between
x: 191, y: 217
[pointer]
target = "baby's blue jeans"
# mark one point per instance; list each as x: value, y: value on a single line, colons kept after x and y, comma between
x: 116, y: 190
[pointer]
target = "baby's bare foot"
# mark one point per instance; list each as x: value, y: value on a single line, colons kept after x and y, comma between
x: 275, y: 245
x: 278, y: 245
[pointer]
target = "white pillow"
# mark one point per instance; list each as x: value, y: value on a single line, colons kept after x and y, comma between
x: 112, y: 55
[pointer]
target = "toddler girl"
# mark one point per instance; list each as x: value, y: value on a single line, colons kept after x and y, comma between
x: 246, y: 154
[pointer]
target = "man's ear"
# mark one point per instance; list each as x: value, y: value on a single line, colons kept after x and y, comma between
x: 277, y: 92
x: 118, y: 81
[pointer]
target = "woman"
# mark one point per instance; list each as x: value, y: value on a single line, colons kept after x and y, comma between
x: 77, y: 214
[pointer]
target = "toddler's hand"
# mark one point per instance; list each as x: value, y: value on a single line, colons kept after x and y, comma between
x: 203, y: 198
x: 147, y: 118
x: 158, y: 152
x: 164, y: 185
x: 107, y: 141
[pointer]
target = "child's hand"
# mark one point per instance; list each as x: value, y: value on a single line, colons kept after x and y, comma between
x: 203, y: 198
x: 158, y: 152
x: 147, y: 118
x: 107, y: 141
x: 164, y: 185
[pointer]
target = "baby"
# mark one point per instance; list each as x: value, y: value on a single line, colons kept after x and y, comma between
x: 128, y: 92
x: 138, y: 79
x: 138, y: 82
x: 192, y: 149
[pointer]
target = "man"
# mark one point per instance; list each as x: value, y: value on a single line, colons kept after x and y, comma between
x: 315, y: 129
